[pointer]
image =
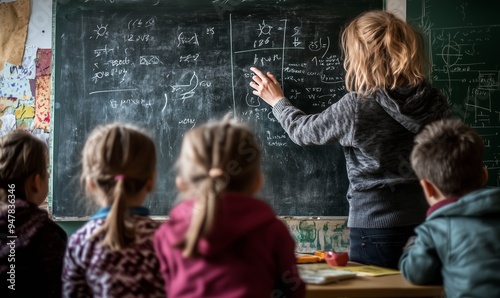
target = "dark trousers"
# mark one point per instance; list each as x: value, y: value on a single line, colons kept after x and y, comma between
x: 379, y: 247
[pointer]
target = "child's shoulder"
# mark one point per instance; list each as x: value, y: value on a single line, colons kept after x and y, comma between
x: 31, y: 220
x: 84, y: 235
x: 51, y: 227
x: 144, y: 227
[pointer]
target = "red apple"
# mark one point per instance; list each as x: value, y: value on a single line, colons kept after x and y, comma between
x: 337, y: 258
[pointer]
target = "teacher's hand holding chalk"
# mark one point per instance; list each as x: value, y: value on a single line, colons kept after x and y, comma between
x: 266, y: 86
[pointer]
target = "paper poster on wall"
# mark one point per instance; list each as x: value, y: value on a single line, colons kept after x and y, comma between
x: 43, y: 62
x: 25, y: 98
x: 25, y: 114
x: 26, y: 70
x: 7, y: 117
x: 14, y: 19
x: 18, y: 88
x: 16, y: 104
x: 42, y: 103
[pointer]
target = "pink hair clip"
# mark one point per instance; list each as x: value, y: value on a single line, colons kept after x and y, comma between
x: 215, y: 172
x: 119, y: 177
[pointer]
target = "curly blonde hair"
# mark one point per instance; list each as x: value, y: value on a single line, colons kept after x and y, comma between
x: 381, y: 52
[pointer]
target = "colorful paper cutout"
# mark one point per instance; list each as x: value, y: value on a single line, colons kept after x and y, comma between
x: 18, y: 88
x: 42, y: 103
x: 24, y: 112
x: 43, y: 62
x: 7, y: 117
x: 26, y: 70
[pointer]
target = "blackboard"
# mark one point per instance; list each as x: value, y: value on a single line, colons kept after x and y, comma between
x: 170, y: 65
x: 463, y: 39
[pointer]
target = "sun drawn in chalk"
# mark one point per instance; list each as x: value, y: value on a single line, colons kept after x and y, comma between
x: 101, y: 31
x: 264, y: 29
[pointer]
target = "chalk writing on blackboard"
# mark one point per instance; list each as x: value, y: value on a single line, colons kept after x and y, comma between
x: 172, y: 68
x: 466, y: 67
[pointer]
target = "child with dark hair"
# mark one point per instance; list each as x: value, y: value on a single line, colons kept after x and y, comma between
x: 31, y: 244
x: 458, y: 244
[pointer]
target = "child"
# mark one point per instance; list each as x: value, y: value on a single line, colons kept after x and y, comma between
x: 112, y: 255
x: 388, y: 102
x: 459, y: 242
x: 31, y: 245
x: 221, y: 241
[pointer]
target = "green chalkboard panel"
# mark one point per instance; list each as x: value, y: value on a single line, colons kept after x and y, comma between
x: 170, y: 65
x: 463, y: 39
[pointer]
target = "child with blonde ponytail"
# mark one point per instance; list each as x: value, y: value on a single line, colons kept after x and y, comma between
x: 112, y: 255
x: 220, y: 240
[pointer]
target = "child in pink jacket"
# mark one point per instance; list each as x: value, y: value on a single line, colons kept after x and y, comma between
x: 220, y: 240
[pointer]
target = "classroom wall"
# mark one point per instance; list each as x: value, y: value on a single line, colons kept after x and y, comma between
x: 310, y: 233
x: 39, y: 36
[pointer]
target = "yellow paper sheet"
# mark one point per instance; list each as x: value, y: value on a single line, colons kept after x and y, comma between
x: 359, y: 269
x: 369, y: 270
x: 14, y: 19
x: 7, y: 117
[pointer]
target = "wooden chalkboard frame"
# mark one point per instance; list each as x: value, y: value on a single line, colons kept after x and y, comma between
x: 313, y: 208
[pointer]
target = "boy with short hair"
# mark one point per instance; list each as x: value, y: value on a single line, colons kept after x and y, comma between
x: 459, y: 243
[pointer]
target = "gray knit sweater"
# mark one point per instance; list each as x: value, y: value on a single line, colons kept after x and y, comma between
x: 377, y: 137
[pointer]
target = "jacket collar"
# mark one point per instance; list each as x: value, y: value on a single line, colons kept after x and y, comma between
x: 135, y: 210
x: 440, y: 204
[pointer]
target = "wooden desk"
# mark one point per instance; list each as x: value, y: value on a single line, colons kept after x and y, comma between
x: 367, y: 286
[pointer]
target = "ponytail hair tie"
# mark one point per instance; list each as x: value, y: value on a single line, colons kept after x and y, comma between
x: 119, y: 177
x: 215, y: 172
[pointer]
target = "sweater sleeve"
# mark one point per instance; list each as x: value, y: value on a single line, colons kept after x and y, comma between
x: 420, y: 263
x: 335, y: 124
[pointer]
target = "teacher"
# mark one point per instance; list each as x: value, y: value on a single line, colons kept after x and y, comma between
x: 388, y: 102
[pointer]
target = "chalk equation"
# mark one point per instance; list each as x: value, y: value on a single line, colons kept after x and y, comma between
x: 467, y: 71
x: 139, y: 51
